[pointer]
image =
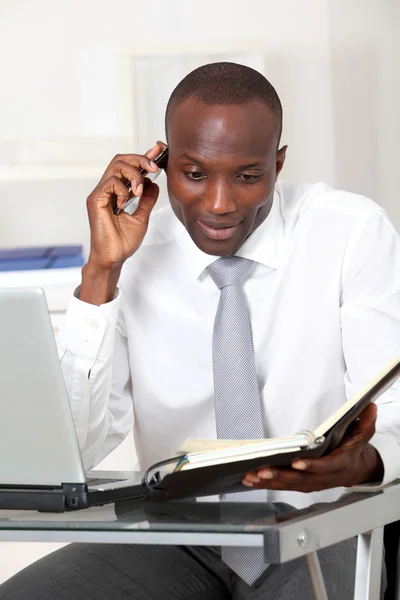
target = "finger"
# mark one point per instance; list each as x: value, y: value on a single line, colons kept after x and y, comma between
x: 331, y: 464
x: 129, y: 174
x: 162, y: 145
x: 247, y: 483
x: 251, y: 478
x: 122, y: 167
x: 364, y: 423
x: 138, y: 161
x: 288, y: 479
x: 367, y: 418
x: 360, y: 434
x: 155, y: 150
x: 336, y: 461
x: 362, y: 430
x: 113, y: 186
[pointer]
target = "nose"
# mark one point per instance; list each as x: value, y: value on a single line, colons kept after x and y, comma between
x: 219, y: 198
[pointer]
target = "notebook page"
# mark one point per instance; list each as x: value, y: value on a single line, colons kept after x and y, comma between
x: 200, y: 446
x: 228, y: 459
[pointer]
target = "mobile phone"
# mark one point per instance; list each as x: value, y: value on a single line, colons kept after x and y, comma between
x: 130, y: 205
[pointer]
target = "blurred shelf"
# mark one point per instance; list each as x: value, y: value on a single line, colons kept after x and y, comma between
x: 58, y: 284
x: 49, y: 172
x: 59, y: 157
x: 46, y: 277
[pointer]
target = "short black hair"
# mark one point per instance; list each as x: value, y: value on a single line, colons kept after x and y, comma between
x: 226, y: 83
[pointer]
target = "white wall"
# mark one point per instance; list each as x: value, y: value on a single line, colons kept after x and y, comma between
x: 64, y: 110
x: 365, y: 61
x: 61, y: 44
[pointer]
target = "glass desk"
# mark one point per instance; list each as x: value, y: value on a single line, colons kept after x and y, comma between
x: 284, y: 532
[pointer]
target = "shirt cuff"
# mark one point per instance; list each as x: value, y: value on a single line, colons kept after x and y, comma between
x: 86, y: 327
x: 389, y: 451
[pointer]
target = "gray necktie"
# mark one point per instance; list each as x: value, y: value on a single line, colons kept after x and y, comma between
x: 236, y: 394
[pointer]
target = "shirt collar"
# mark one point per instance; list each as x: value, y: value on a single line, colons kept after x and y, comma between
x: 263, y: 245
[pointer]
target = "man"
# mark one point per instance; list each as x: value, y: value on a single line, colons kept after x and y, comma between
x: 159, y: 335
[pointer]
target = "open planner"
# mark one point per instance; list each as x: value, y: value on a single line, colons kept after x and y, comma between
x: 205, y: 467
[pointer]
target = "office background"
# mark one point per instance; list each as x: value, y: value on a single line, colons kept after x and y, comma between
x: 85, y: 79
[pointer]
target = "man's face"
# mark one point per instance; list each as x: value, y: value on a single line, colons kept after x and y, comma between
x: 222, y: 167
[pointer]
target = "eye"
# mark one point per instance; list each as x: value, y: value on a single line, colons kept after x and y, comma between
x: 196, y: 175
x: 248, y: 177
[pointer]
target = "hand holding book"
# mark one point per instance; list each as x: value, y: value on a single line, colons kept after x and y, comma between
x: 354, y: 461
x: 337, y: 453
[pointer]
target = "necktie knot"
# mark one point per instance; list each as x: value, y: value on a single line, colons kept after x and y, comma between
x: 229, y: 270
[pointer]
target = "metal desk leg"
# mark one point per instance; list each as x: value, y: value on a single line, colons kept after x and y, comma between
x: 316, y: 576
x: 369, y: 565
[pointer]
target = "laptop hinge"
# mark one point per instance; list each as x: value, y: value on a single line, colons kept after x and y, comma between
x: 75, y: 495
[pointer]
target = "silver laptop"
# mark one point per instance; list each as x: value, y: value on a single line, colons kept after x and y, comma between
x: 40, y: 461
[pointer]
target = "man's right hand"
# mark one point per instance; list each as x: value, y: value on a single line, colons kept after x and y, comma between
x: 114, y: 238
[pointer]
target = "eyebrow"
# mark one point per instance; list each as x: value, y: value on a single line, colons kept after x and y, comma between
x: 196, y: 161
x: 192, y: 159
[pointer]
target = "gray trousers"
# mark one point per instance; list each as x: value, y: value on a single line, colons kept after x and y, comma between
x: 121, y: 572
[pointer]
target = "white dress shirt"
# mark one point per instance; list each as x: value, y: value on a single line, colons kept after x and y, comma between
x: 324, y: 300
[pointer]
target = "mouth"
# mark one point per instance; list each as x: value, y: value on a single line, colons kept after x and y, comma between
x: 218, y: 231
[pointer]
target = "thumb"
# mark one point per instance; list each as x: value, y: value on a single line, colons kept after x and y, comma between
x: 364, y: 427
x: 368, y: 416
x: 146, y: 203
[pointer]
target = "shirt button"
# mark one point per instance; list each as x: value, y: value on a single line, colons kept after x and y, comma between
x: 94, y: 324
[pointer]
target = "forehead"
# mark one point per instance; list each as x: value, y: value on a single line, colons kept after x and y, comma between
x: 235, y: 130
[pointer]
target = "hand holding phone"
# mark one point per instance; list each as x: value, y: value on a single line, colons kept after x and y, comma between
x: 130, y: 205
x: 113, y: 239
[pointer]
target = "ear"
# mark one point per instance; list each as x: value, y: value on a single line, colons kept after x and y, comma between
x: 280, y: 159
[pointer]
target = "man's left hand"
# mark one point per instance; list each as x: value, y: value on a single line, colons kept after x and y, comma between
x: 354, y: 461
